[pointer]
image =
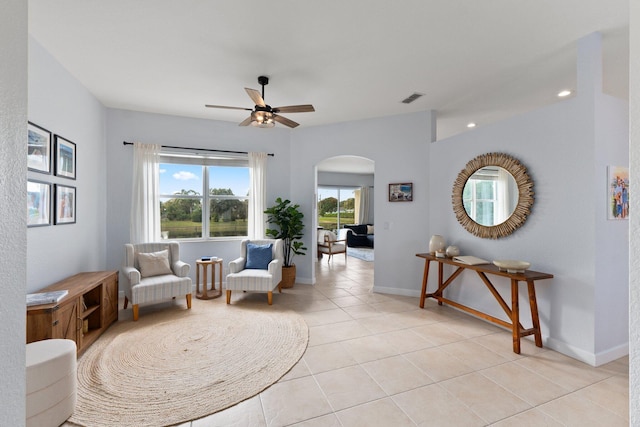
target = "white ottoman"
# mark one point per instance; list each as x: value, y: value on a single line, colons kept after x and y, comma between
x: 51, y: 382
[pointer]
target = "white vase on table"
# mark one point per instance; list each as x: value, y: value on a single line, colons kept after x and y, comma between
x: 436, y: 244
x: 452, y: 251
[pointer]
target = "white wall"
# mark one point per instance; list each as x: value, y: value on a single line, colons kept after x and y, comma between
x: 133, y: 126
x: 399, y: 146
x: 612, y: 237
x: 567, y: 233
x: 60, y: 104
x: 13, y: 271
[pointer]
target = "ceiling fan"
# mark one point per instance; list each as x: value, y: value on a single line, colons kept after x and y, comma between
x: 262, y: 115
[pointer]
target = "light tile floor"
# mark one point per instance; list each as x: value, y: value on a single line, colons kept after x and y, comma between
x: 380, y: 360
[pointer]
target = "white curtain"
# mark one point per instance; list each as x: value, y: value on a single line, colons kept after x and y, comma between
x: 258, y: 194
x: 362, y: 207
x: 145, y: 201
x: 501, y: 211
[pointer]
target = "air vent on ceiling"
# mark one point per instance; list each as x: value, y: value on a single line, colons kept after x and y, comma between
x: 412, y: 97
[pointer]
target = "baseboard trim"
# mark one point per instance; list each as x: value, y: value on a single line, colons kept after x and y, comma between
x: 397, y: 291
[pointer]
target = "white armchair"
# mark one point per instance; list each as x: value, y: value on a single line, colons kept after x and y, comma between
x: 153, y: 272
x: 257, y: 278
x: 329, y: 244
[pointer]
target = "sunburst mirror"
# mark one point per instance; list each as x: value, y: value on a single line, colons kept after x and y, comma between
x: 492, y: 196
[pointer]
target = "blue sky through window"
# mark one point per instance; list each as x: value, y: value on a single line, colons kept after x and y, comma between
x: 177, y: 177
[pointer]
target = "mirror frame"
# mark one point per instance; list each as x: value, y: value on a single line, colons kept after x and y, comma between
x: 525, y: 198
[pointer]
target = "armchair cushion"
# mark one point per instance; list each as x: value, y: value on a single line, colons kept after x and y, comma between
x: 258, y: 256
x: 154, y: 263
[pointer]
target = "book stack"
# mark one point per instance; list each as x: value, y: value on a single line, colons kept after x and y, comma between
x: 45, y: 297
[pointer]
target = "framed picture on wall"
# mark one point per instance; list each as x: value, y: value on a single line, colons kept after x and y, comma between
x: 65, y: 204
x: 401, y: 192
x: 618, y: 192
x: 65, y: 158
x: 38, y: 203
x: 38, y: 149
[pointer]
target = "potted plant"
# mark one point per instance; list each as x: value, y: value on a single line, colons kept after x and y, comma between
x: 288, y: 218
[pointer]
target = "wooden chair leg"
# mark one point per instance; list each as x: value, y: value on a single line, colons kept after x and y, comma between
x: 189, y: 301
x: 270, y: 297
x: 228, y: 296
x: 136, y: 312
x: 280, y: 287
x: 126, y: 302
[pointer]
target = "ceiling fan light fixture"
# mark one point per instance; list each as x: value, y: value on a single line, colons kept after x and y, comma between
x: 262, y: 119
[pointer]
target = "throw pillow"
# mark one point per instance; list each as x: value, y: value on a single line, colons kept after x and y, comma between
x: 258, y: 256
x: 369, y: 229
x: 154, y: 263
x: 330, y: 236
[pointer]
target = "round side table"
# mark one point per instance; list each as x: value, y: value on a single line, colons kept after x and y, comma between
x: 204, y: 265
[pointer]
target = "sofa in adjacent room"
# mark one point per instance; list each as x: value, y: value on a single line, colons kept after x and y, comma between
x: 359, y: 235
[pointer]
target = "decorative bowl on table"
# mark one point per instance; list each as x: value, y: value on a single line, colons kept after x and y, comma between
x: 512, y: 266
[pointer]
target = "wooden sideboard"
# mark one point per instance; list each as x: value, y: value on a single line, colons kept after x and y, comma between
x: 82, y: 315
x: 513, y: 312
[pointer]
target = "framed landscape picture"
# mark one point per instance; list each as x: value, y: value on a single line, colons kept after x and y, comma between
x: 65, y: 204
x: 38, y: 149
x: 38, y: 203
x: 401, y: 192
x: 65, y: 158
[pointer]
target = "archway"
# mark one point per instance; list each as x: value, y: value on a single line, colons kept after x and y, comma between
x: 344, y: 194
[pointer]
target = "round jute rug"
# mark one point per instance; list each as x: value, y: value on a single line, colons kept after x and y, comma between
x: 177, y: 365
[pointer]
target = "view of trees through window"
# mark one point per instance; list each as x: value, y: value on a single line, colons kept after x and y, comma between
x: 331, y: 217
x: 181, y: 211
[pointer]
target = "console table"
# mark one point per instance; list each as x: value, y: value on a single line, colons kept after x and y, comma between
x: 513, y: 312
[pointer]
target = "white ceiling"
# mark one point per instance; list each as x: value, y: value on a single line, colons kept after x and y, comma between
x: 479, y: 61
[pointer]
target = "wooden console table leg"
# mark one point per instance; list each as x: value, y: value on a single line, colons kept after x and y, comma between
x: 535, y: 319
x: 440, y: 274
x: 425, y: 277
x: 515, y: 316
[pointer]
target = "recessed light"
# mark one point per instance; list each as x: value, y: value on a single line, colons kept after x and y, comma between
x: 564, y: 93
x: 471, y: 125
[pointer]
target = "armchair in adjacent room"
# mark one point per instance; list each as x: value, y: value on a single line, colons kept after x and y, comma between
x: 258, y: 269
x: 153, y: 272
x: 329, y: 244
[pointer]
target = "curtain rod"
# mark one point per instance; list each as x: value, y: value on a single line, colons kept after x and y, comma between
x: 201, y: 149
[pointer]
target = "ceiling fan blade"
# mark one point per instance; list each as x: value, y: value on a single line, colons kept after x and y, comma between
x: 307, y: 108
x: 255, y: 97
x: 228, y: 108
x: 245, y: 122
x: 285, y: 121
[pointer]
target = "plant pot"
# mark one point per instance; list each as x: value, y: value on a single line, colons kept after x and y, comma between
x: 288, y: 277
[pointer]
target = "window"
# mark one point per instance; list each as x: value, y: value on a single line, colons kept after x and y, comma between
x: 479, y: 199
x: 203, y: 197
x: 331, y: 217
